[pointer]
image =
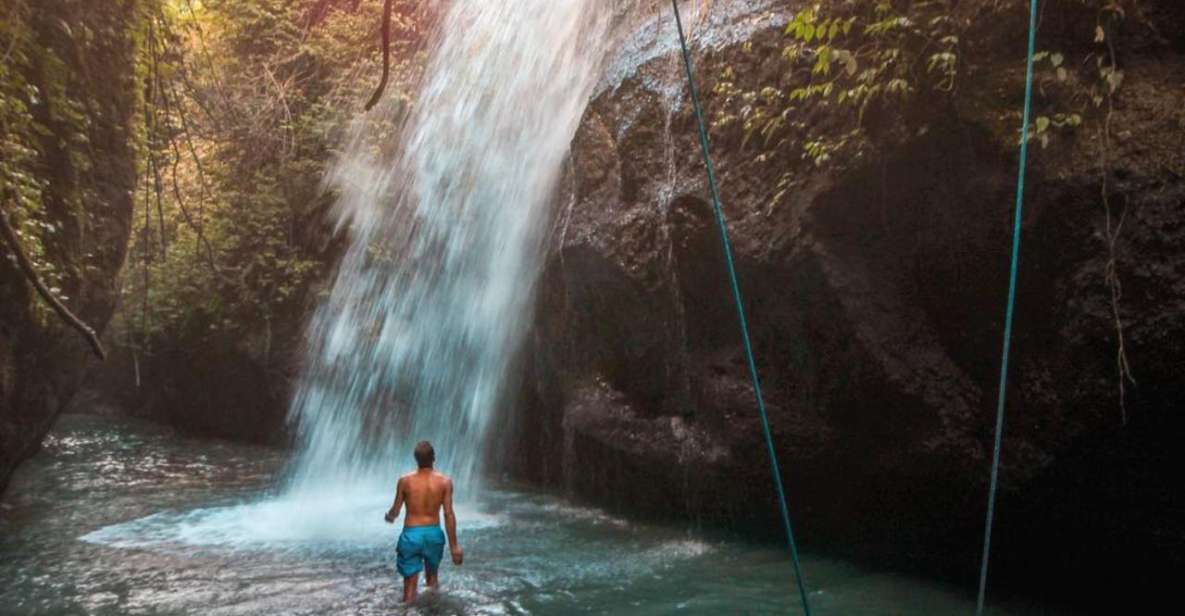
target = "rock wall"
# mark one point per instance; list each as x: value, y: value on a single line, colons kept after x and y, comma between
x: 78, y: 60
x: 223, y: 387
x: 875, y: 294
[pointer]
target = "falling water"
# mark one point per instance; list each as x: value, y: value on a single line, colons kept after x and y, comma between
x: 430, y: 302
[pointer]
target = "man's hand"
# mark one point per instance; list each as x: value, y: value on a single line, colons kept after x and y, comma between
x: 458, y: 555
x: 390, y: 517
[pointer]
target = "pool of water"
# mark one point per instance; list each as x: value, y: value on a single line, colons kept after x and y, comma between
x: 123, y: 517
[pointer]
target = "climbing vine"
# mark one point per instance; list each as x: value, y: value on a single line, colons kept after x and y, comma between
x: 1110, y: 78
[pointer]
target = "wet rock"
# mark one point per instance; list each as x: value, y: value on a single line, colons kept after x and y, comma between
x: 875, y: 294
x: 87, y: 197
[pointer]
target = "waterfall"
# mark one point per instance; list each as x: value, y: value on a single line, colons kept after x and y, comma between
x: 416, y: 337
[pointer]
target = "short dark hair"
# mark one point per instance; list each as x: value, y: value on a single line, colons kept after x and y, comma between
x: 425, y: 455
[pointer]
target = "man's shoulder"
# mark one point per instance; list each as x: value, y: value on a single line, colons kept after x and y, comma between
x: 441, y: 477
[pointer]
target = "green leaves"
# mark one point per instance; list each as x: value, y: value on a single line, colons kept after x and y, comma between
x: 255, y: 103
x: 943, y: 60
x: 1041, y: 129
x: 807, y: 27
x: 852, y: 55
x: 1112, y: 77
x: 847, y: 62
x: 850, y: 62
x: 822, y: 61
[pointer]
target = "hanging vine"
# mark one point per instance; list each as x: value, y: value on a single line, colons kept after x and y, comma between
x: 1110, y: 77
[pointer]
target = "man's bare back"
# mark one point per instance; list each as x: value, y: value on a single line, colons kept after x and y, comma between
x: 424, y: 492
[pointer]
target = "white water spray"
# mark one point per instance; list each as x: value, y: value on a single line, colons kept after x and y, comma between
x: 433, y: 295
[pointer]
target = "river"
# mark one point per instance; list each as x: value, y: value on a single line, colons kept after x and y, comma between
x: 119, y: 516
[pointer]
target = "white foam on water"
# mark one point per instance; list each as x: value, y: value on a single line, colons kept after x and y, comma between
x: 594, y: 516
x: 271, y: 525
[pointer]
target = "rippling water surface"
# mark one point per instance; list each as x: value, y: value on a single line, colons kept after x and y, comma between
x: 122, y: 517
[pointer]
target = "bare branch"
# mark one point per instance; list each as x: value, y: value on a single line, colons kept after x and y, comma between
x: 378, y: 93
x: 62, y: 311
x: 195, y: 225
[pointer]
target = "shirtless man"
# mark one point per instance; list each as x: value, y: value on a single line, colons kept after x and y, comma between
x: 421, y: 544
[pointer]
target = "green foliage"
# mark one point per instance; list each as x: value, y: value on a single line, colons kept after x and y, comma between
x: 860, y: 76
x: 47, y: 116
x: 245, y: 100
x: 851, y: 57
x: 20, y: 183
x: 1071, y: 91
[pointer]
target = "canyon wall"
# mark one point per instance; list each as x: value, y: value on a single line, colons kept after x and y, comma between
x: 69, y: 172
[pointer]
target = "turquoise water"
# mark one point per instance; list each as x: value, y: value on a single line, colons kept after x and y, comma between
x: 123, y: 517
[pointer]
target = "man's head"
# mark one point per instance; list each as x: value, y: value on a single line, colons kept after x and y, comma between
x: 425, y: 455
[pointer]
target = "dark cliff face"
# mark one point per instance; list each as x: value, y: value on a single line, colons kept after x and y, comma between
x: 876, y: 295
x: 78, y: 58
x: 222, y: 387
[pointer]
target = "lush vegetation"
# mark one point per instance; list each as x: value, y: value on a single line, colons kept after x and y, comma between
x: 66, y: 164
x: 852, y: 68
x: 238, y: 107
x: 243, y: 100
x: 24, y: 176
x: 18, y: 151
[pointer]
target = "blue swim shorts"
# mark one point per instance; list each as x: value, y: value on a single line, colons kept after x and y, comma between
x: 420, y: 547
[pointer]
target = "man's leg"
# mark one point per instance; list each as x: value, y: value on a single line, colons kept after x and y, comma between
x: 433, y: 553
x: 410, y: 585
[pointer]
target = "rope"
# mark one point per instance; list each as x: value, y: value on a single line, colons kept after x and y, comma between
x: 740, y: 307
x: 1020, y: 196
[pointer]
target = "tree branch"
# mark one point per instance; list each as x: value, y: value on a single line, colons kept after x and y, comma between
x: 378, y: 93
x: 87, y: 332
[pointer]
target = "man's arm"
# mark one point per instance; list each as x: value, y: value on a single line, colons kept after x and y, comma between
x: 450, y: 524
x: 397, y: 505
